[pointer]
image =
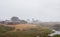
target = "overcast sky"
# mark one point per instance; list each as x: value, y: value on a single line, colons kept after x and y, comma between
x: 44, y: 10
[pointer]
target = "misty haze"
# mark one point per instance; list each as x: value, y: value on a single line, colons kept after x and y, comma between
x: 29, y: 18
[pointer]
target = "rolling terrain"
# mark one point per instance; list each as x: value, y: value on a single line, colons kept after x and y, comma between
x: 23, y: 26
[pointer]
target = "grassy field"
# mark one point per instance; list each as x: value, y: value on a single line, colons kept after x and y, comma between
x: 24, y: 30
x: 23, y: 26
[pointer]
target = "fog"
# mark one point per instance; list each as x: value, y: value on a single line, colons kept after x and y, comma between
x: 44, y: 10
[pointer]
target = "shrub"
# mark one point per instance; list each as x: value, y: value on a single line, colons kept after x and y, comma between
x: 56, y: 36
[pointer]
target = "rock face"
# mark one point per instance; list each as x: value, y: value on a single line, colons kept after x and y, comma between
x: 56, y: 27
x: 55, y: 33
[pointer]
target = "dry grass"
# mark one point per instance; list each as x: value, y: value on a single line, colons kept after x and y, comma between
x: 23, y: 26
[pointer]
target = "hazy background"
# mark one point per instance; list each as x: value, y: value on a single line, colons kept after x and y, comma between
x: 44, y: 10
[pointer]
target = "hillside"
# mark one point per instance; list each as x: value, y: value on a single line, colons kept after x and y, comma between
x: 23, y: 26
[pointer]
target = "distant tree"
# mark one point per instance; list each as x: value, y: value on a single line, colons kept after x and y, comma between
x: 23, y: 22
x: 35, y: 21
x: 15, y: 19
x: 28, y: 20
